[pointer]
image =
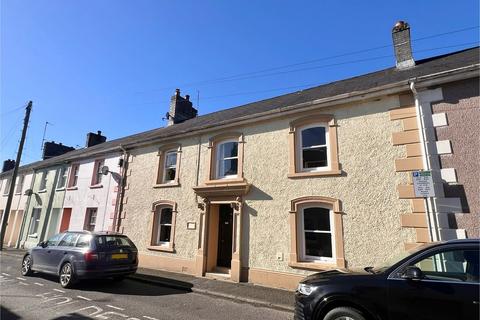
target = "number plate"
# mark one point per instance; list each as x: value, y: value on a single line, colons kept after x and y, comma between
x: 119, y: 256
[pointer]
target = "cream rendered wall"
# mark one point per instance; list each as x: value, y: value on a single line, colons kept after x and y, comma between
x: 102, y: 198
x: 141, y: 194
x: 367, y: 189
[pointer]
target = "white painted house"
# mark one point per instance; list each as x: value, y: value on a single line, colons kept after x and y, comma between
x: 91, y: 196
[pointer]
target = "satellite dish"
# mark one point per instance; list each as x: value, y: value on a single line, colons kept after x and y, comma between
x: 104, y: 170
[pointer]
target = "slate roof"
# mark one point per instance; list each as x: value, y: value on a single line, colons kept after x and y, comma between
x: 451, y: 61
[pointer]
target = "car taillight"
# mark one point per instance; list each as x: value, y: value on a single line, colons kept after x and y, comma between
x: 90, y: 256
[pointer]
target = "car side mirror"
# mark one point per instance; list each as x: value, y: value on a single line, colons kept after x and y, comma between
x: 412, y: 273
x: 42, y: 244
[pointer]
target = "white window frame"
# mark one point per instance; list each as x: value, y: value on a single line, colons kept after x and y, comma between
x: 7, y: 186
x: 218, y: 159
x: 73, y: 175
x: 62, y: 177
x: 97, y: 172
x: 19, y: 185
x: 32, y: 221
x: 302, y: 231
x: 43, y: 181
x: 159, y: 226
x: 299, y: 147
x: 165, y: 167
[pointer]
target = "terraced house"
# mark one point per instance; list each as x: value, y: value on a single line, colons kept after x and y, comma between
x: 273, y: 190
x: 314, y: 180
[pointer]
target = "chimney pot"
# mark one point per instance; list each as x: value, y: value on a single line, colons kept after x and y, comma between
x: 187, y: 97
x: 177, y: 92
x: 99, y: 132
x: 181, y: 109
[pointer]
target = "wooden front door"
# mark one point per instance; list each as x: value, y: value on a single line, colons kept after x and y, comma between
x: 16, y: 229
x: 225, y: 232
x: 67, y: 212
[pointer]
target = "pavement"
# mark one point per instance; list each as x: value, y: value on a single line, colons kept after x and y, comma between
x: 278, y: 299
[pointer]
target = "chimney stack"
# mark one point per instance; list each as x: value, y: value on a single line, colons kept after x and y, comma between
x: 94, y: 139
x: 52, y: 149
x: 8, y: 165
x: 402, y: 45
x: 181, y: 109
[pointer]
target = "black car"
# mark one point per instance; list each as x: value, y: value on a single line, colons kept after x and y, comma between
x: 79, y: 255
x: 439, y: 281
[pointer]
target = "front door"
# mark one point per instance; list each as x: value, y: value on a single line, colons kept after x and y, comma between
x: 225, y: 232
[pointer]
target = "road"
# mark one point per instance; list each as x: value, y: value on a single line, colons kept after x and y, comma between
x: 42, y: 297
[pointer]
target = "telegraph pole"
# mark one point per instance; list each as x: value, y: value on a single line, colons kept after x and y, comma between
x: 6, y: 213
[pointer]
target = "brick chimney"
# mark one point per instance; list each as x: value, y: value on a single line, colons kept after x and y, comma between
x: 181, y: 109
x: 8, y: 165
x: 52, y: 149
x: 402, y: 45
x: 94, y: 139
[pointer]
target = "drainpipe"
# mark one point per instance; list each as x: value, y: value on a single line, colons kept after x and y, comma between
x: 429, y: 204
x: 119, y: 202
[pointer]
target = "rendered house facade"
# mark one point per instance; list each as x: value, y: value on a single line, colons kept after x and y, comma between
x: 19, y: 204
x: 314, y: 180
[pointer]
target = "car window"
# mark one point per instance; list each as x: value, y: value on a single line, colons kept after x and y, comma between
x: 53, y: 241
x: 69, y: 240
x: 460, y: 265
x: 113, y: 241
x: 84, y: 241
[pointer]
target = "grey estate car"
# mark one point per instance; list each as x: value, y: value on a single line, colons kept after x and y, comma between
x: 79, y: 255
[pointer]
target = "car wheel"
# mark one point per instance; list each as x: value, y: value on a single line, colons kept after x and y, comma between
x: 27, y: 265
x: 67, y: 276
x: 344, y: 313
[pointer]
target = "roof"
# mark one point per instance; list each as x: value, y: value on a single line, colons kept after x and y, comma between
x: 425, y: 67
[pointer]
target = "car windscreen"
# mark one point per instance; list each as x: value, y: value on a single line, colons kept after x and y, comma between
x: 112, y: 241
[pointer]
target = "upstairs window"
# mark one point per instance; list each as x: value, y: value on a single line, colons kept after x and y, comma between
x: 313, y: 147
x: 62, y: 178
x: 43, y: 181
x: 227, y: 159
x: 97, y: 172
x: 73, y: 179
x: 7, y: 187
x: 19, y: 186
x: 168, y: 166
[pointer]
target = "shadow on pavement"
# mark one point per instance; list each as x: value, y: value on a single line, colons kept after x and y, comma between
x: 125, y: 287
x: 6, y: 314
x: 72, y: 316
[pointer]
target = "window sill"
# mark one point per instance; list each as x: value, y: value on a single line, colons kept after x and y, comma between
x: 161, y: 248
x: 167, y: 185
x: 224, y: 181
x: 96, y: 186
x: 299, y: 175
x: 313, y: 265
x: 18, y: 193
x: 42, y: 191
x: 72, y: 188
x: 33, y: 235
x: 60, y: 189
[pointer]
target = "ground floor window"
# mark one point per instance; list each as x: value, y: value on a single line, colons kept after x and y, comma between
x: 35, y: 222
x: 316, y: 227
x: 90, y: 219
x: 316, y: 233
x: 163, y: 226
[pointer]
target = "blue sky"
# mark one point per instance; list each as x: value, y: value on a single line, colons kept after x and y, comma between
x: 112, y: 65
